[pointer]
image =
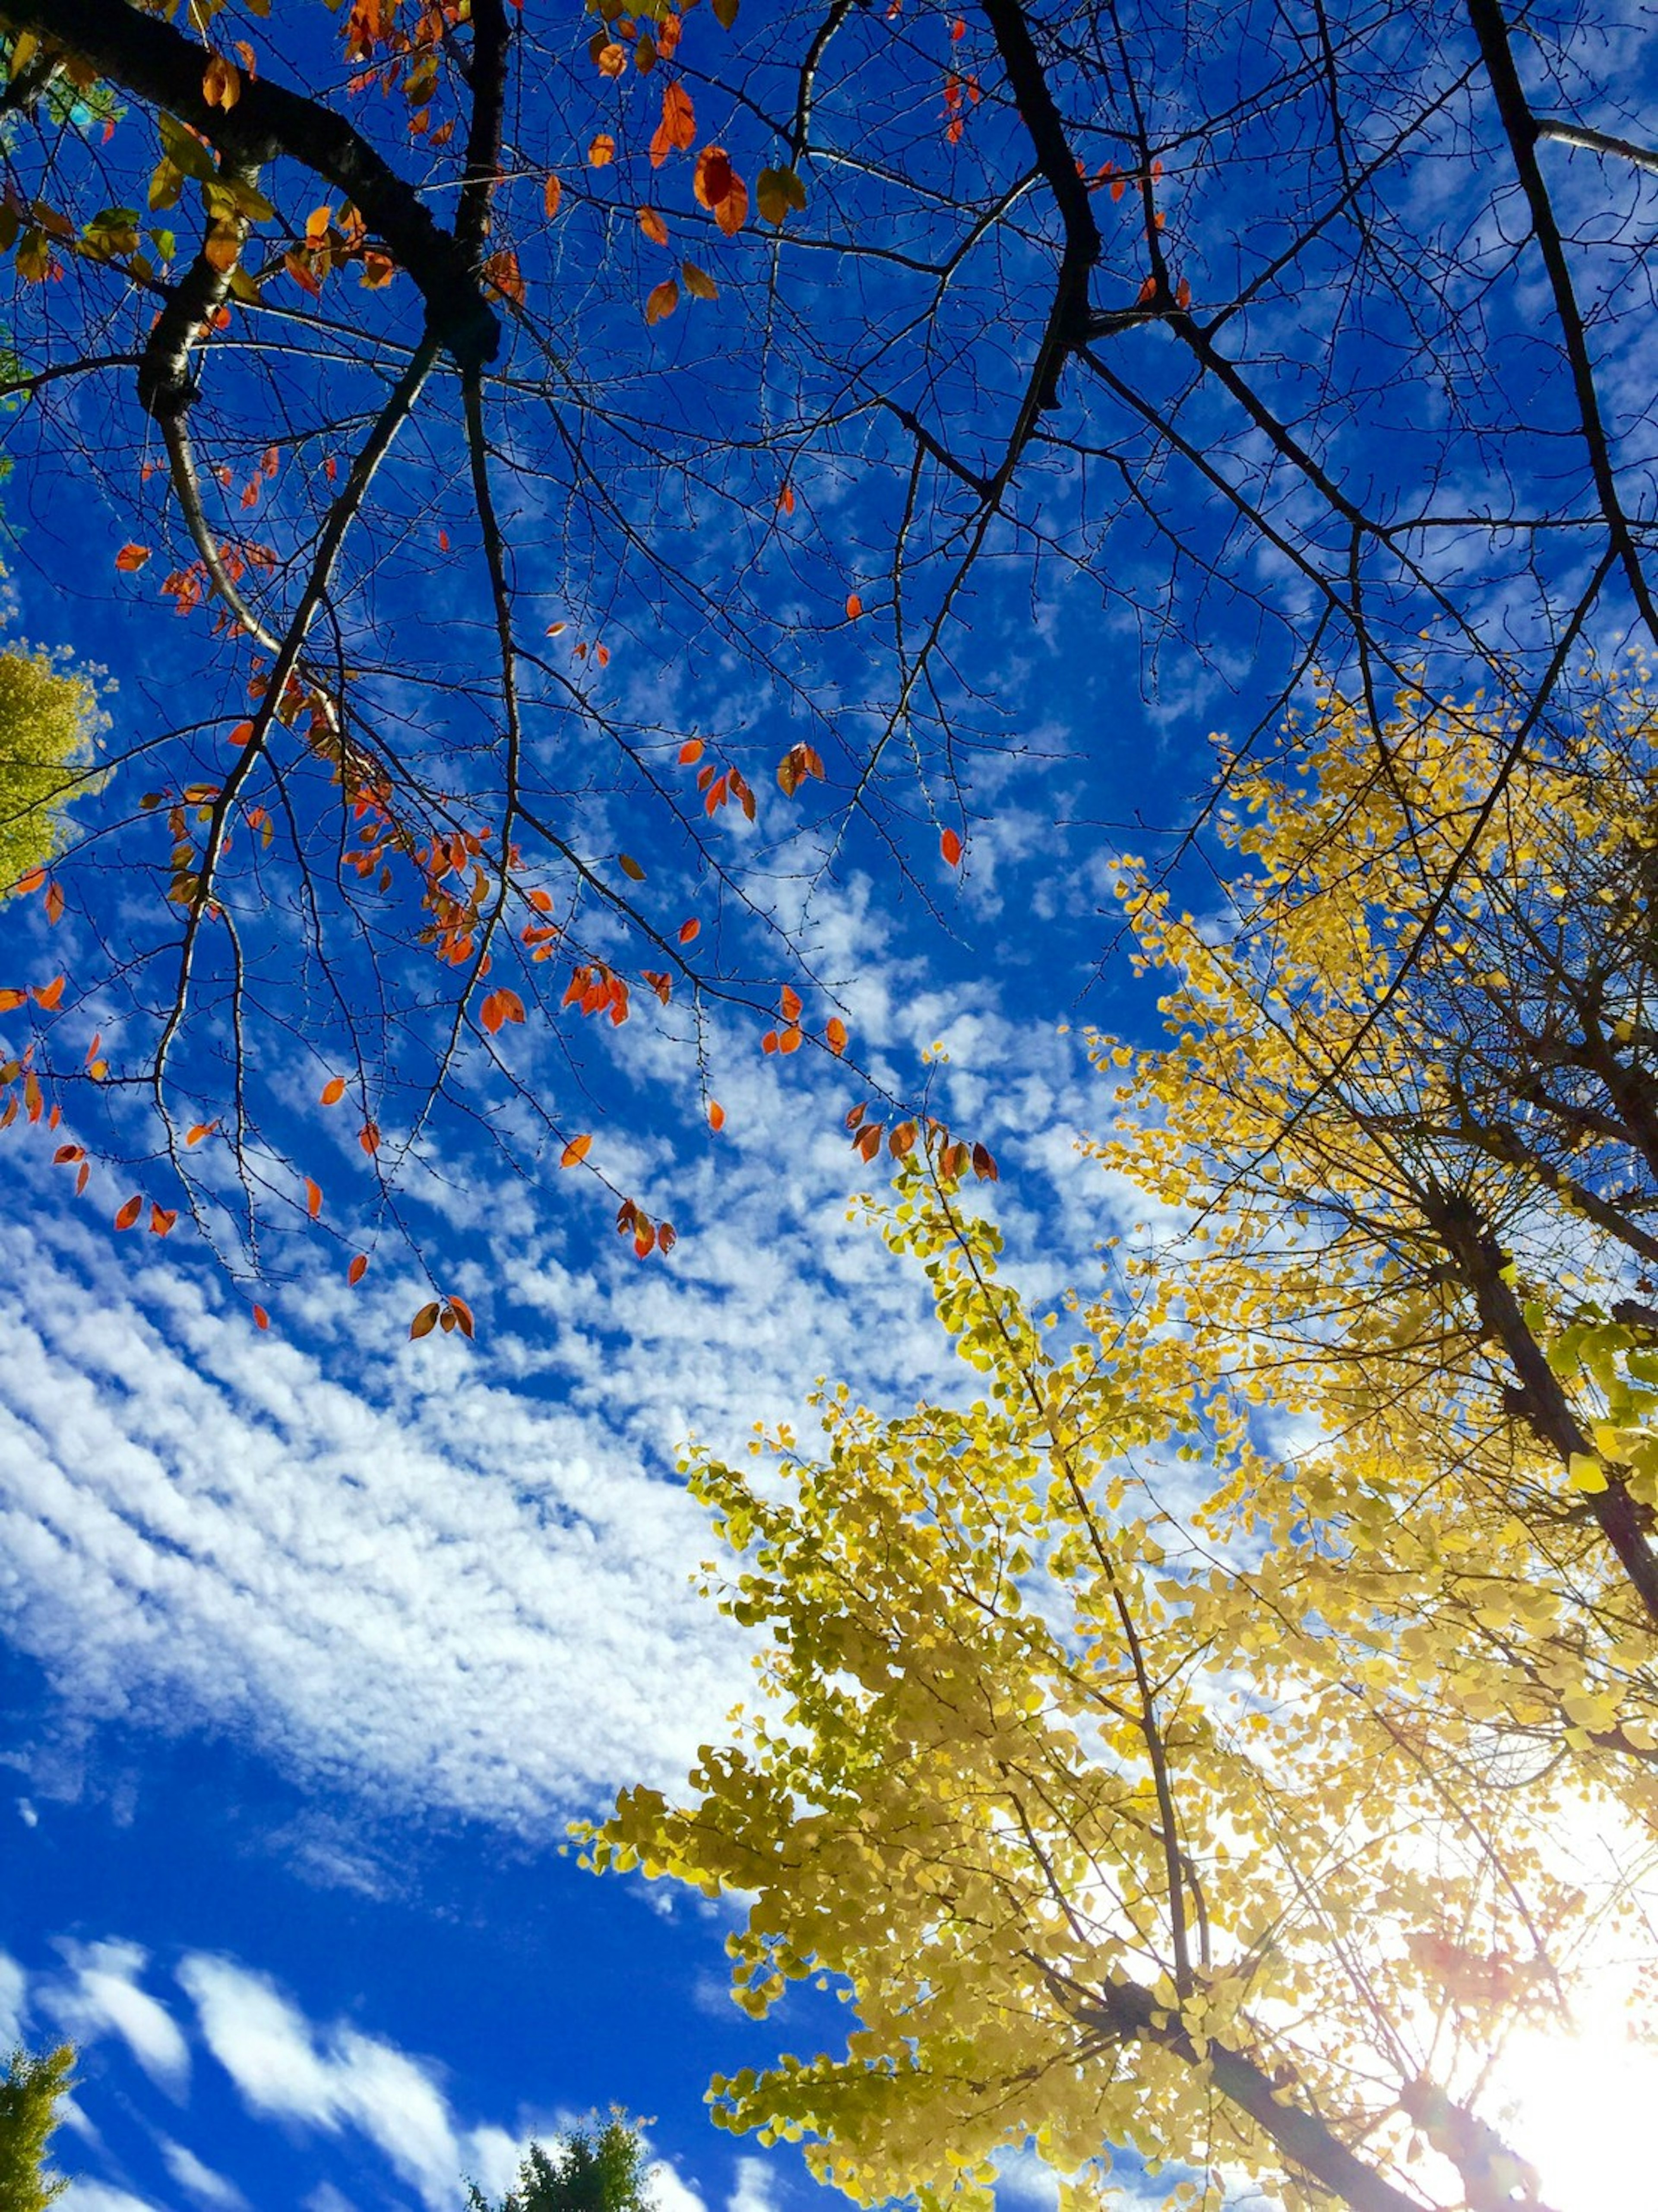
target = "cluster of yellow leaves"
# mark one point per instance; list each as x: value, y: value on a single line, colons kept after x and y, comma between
x: 1137, y: 1778
x: 49, y: 722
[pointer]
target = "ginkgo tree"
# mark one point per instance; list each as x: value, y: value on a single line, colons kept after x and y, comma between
x: 1408, y: 1115
x: 1189, y: 1745
x: 547, y: 432
x: 1043, y: 1783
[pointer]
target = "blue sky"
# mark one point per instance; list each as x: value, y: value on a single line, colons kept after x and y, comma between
x: 317, y: 1638
x: 311, y: 1640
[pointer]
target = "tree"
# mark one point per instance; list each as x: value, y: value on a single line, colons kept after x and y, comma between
x: 795, y: 334
x: 1409, y: 1109
x: 29, y: 2113
x: 1176, y: 1748
x: 49, y: 722
x: 599, y: 2170
x: 1044, y: 1787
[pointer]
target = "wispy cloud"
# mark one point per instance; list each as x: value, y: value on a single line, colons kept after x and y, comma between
x: 755, y: 2184
x: 198, y: 2180
x: 458, y: 1577
x: 101, y: 1997
x: 13, y: 1990
x: 101, y: 2196
x: 286, y: 2069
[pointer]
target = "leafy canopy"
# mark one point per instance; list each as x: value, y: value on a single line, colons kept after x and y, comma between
x: 29, y: 2091
x: 589, y: 2170
x: 50, y: 718
x: 587, y: 473
x: 1187, y: 1745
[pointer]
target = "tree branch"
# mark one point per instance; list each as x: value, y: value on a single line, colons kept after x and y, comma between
x: 158, y: 64
x: 1068, y: 318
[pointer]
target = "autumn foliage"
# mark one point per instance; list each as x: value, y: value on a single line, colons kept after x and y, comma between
x: 1184, y: 1744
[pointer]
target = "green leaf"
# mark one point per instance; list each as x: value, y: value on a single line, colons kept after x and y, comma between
x: 165, y: 187
x: 185, y: 152
x: 777, y: 192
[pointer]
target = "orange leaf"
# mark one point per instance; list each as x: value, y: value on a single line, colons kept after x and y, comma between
x: 425, y: 1321
x: 48, y: 994
x: 601, y: 150
x: 202, y: 1129
x: 677, y: 131
x: 662, y: 301
x: 32, y: 882
x: 551, y: 195
x: 867, y: 1142
x: 160, y: 1220
x: 834, y: 1037
x: 854, y: 606
x: 983, y: 1166
x: 65, y: 1153
x: 786, y: 499
x: 54, y: 904
x: 369, y: 1137
x: 11, y: 999
x: 788, y: 1003
x: 261, y: 1318
x: 500, y: 1007
x: 575, y: 1152
x: 733, y: 211
x: 714, y: 178
x: 769, y: 1043
x: 950, y: 846
x: 130, y: 1213
x: 653, y: 225
x: 333, y: 1090
x: 716, y: 1115
x: 688, y: 931
x: 357, y: 1270
x: 463, y: 1313
x: 790, y: 1039
x: 130, y: 557
x: 221, y: 83
x: 667, y: 1237
x: 691, y: 752
x: 84, y: 1170
x: 902, y: 1140
x: 312, y: 1199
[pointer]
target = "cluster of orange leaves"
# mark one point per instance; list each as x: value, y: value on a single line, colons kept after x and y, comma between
x: 718, y: 786
x: 401, y: 58
x: 952, y: 1157
x: 333, y: 242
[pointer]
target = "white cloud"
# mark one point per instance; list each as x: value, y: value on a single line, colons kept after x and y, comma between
x: 753, y: 2192
x: 459, y: 1577
x: 324, y: 2197
x: 670, y: 2192
x: 1027, y: 2178
x: 286, y: 2069
x: 493, y: 2157
x: 13, y: 1990
x: 104, y: 1999
x: 99, y: 2196
x: 200, y: 2181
